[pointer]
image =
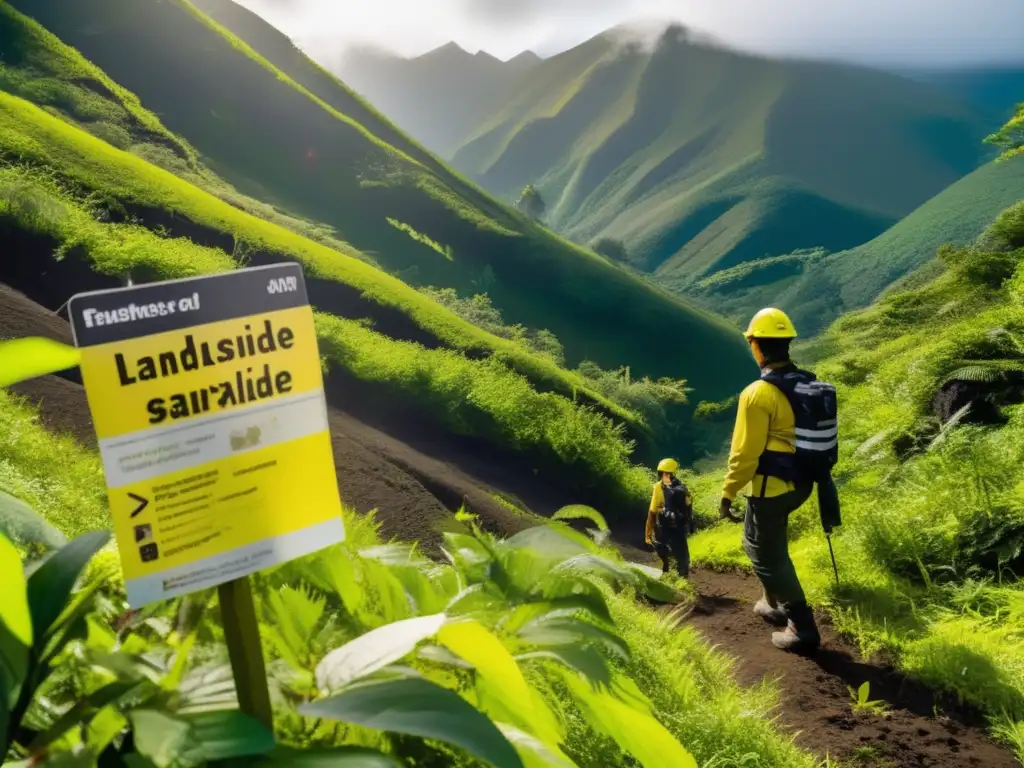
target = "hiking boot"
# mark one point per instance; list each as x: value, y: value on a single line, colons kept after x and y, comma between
x: 801, y: 633
x: 774, y: 616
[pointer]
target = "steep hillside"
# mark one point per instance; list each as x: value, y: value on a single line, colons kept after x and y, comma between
x: 434, y: 96
x: 931, y: 474
x: 279, y: 141
x: 699, y: 158
x: 816, y: 287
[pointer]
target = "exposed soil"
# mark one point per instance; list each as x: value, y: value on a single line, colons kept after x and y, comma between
x: 920, y: 729
x: 416, y: 477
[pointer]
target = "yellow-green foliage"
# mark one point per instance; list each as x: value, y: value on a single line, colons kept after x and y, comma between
x: 37, y: 66
x: 419, y: 237
x: 32, y: 136
x: 483, y: 398
x: 54, y: 475
x: 1011, y: 138
x: 38, y: 204
x: 932, y: 514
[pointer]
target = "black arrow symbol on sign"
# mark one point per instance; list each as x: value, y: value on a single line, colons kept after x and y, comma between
x: 143, y: 503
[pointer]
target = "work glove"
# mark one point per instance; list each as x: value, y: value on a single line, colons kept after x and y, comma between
x: 725, y: 511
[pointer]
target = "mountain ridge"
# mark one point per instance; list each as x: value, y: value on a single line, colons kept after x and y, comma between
x: 699, y: 157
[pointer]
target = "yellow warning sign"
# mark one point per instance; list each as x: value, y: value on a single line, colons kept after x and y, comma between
x: 207, y: 398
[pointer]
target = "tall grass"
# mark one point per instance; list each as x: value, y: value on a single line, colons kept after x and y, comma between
x: 570, y: 443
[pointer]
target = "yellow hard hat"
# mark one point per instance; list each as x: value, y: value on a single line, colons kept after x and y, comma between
x: 668, y: 465
x: 771, y: 323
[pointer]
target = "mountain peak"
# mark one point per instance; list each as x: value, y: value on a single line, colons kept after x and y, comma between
x: 449, y: 50
x: 524, y: 60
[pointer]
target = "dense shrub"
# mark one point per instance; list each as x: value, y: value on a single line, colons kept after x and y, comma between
x: 613, y: 249
x: 479, y: 311
x: 572, y: 444
x: 719, y: 412
x: 651, y: 398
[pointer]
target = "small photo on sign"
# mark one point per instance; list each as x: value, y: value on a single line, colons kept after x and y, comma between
x: 143, y: 533
x: 149, y: 552
x: 248, y: 438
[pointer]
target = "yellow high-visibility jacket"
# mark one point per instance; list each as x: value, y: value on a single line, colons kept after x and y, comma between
x: 764, y: 421
x: 658, y: 504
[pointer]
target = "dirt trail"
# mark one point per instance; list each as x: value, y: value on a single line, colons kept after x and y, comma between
x: 417, y: 477
x: 816, y: 702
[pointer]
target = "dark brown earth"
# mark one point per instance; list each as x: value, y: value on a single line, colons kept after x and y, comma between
x: 919, y: 730
x: 416, y: 477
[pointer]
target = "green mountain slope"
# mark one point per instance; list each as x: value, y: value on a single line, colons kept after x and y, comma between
x: 816, y: 288
x: 77, y: 213
x: 280, y: 141
x: 699, y: 158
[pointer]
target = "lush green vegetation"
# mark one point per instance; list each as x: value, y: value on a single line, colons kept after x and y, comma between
x: 335, y: 161
x: 568, y: 444
x: 815, y: 287
x: 534, y: 649
x: 933, y: 535
x: 1011, y: 138
x: 56, y: 155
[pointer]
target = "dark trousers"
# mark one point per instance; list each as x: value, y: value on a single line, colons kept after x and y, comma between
x: 765, y: 539
x: 673, y: 543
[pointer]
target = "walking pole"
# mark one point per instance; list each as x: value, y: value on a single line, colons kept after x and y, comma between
x: 835, y: 569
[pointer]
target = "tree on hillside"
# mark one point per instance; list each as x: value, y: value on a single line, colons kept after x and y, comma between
x: 1011, y: 138
x: 613, y: 249
x: 531, y: 203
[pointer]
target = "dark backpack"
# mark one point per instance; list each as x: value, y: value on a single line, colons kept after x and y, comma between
x: 816, y: 409
x: 677, y: 513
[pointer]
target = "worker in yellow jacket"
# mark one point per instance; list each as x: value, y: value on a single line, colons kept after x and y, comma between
x: 670, y: 518
x: 765, y: 430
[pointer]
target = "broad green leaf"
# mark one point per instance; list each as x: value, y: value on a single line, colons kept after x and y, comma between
x: 26, y: 527
x: 535, y: 753
x: 106, y: 726
x: 82, y: 711
x: 374, y: 650
x: 227, y: 734
x: 581, y: 512
x: 418, y: 707
x: 14, y: 611
x: 420, y: 589
x: 338, y: 757
x: 15, y: 633
x: 50, y: 585
x: 612, y: 572
x: 580, y: 587
x: 522, y: 615
x: 545, y: 542
x: 159, y: 736
x: 561, y: 631
x: 506, y: 691
x: 22, y: 359
x: 209, y: 687
x: 637, y: 732
x: 394, y: 554
x: 439, y: 655
x: 585, y: 659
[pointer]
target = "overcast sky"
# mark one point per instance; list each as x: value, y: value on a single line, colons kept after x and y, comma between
x: 888, y: 32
